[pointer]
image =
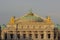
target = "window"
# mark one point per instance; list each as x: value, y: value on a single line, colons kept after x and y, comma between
x: 18, y: 36
x: 29, y: 31
x: 42, y: 36
x: 27, y: 26
x: 17, y: 31
x: 23, y: 31
x: 30, y: 35
x: 24, y: 35
x: 41, y: 31
x: 11, y: 35
x: 0, y: 29
x: 48, y: 35
x: 17, y: 27
x: 35, y: 31
x: 36, y: 35
x: 54, y: 36
x: 5, y: 36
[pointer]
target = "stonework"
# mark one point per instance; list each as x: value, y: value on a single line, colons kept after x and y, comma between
x: 29, y: 27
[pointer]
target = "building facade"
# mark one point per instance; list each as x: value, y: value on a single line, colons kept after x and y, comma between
x: 29, y: 27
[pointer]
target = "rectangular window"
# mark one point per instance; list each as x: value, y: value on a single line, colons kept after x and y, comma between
x: 24, y: 35
x: 18, y: 36
x: 30, y: 35
x: 11, y: 35
x: 36, y: 35
x: 42, y: 36
x: 49, y: 36
x: 5, y: 36
x: 54, y: 35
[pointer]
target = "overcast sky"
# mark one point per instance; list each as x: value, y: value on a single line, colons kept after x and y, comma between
x: 18, y: 8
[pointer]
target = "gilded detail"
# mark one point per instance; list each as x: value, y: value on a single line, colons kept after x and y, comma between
x: 12, y: 20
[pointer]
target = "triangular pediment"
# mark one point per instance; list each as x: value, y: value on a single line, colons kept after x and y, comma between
x: 30, y: 17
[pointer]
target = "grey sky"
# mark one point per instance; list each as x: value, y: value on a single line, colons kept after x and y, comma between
x: 18, y: 8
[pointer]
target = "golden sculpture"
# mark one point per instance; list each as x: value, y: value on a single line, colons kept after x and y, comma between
x: 12, y: 20
x: 30, y: 12
x: 48, y: 19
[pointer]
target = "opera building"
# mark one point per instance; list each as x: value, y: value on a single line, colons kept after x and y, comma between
x: 29, y: 27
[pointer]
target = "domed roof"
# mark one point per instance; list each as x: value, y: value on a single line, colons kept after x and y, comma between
x: 3, y: 26
x: 58, y: 26
x: 32, y: 17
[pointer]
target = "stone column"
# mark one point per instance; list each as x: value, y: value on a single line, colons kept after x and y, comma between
x: 21, y: 35
x: 45, y: 36
x: 15, y: 35
x: 52, y: 35
x: 57, y: 35
x: 39, y: 35
x: 2, y: 36
x: 33, y: 35
x: 8, y: 36
x: 27, y: 35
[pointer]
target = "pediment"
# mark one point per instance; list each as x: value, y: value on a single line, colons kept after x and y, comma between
x: 48, y: 28
x: 29, y: 19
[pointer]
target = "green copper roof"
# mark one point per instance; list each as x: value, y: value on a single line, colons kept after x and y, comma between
x: 31, y: 16
x: 58, y: 26
x: 2, y: 27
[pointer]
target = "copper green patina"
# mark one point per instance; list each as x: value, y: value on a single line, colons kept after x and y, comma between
x: 2, y: 27
x: 58, y: 26
x: 31, y: 16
